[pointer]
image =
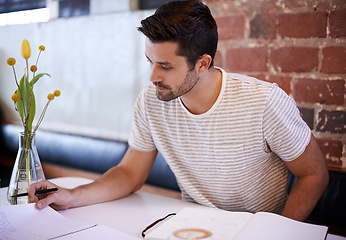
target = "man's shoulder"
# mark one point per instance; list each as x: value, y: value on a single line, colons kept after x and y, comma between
x: 236, y: 78
x: 238, y: 85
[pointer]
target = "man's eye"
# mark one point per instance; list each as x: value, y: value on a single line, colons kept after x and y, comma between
x: 165, y: 68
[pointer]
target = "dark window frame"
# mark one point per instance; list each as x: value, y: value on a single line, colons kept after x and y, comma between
x: 151, y: 4
x: 7, y: 6
x: 73, y: 8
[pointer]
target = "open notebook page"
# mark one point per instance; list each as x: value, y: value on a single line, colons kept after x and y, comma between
x: 222, y: 224
x: 238, y: 226
x: 271, y: 226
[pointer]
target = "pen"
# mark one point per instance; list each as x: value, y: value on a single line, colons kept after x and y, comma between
x: 37, y: 192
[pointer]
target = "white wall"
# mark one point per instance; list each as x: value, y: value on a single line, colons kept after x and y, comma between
x: 96, y: 61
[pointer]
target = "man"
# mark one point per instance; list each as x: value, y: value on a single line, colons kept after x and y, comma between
x: 228, y: 138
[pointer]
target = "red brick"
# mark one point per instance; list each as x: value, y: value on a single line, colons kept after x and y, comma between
x: 302, y: 25
x: 334, y: 163
x: 308, y: 116
x: 332, y: 151
x: 337, y: 23
x: 295, y: 59
x: 231, y: 27
x: 330, y: 148
x: 334, y: 60
x: 263, y: 26
x: 247, y: 59
x: 284, y: 82
x: 319, y: 91
x: 331, y: 121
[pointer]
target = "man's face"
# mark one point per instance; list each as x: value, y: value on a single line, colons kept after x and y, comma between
x: 170, y: 73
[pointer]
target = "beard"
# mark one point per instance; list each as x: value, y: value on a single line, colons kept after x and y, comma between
x: 169, y: 93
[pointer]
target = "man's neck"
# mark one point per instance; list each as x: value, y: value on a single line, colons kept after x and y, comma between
x: 205, y: 93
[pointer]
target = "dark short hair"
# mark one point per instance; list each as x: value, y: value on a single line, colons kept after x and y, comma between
x: 189, y: 23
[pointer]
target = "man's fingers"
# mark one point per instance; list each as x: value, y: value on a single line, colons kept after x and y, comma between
x: 44, y: 184
x: 39, y: 205
x: 44, y: 202
x: 33, y: 198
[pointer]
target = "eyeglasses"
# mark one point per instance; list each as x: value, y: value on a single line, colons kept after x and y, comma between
x: 156, y: 222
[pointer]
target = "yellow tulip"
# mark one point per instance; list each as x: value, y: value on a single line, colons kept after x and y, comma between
x: 26, y: 50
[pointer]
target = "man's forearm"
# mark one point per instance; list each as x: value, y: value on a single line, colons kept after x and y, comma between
x: 304, y: 196
x: 128, y: 176
x: 112, y: 185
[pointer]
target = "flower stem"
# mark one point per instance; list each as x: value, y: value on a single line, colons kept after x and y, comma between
x: 31, y: 91
x: 41, y: 116
x: 15, y: 76
x: 28, y: 109
x: 27, y: 151
x: 20, y: 92
x: 38, y: 57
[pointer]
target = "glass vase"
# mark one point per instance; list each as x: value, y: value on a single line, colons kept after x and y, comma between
x: 27, y: 169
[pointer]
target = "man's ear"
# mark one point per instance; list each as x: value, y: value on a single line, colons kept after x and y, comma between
x: 203, y: 63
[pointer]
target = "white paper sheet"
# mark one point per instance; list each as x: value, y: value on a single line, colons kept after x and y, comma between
x: 26, y: 222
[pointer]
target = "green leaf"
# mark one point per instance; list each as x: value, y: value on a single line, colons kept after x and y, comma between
x: 32, y: 112
x: 16, y: 103
x: 26, y: 104
x: 19, y: 103
x: 37, y: 77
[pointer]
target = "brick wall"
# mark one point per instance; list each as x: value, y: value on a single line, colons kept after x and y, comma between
x: 300, y: 45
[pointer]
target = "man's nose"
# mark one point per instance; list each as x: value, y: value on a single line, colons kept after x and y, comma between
x: 155, y: 74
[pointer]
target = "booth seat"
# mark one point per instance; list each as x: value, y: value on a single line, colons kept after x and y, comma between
x: 99, y: 155
x: 86, y: 153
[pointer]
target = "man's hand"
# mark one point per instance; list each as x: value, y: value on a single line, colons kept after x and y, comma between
x: 128, y: 176
x: 59, y: 200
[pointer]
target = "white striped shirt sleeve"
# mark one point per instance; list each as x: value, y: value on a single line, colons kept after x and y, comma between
x: 285, y: 131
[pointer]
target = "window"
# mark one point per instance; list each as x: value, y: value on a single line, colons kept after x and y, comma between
x: 23, y: 11
x: 7, y: 6
x: 70, y: 8
x: 151, y: 4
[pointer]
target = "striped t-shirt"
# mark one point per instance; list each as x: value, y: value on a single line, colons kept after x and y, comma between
x: 231, y: 157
